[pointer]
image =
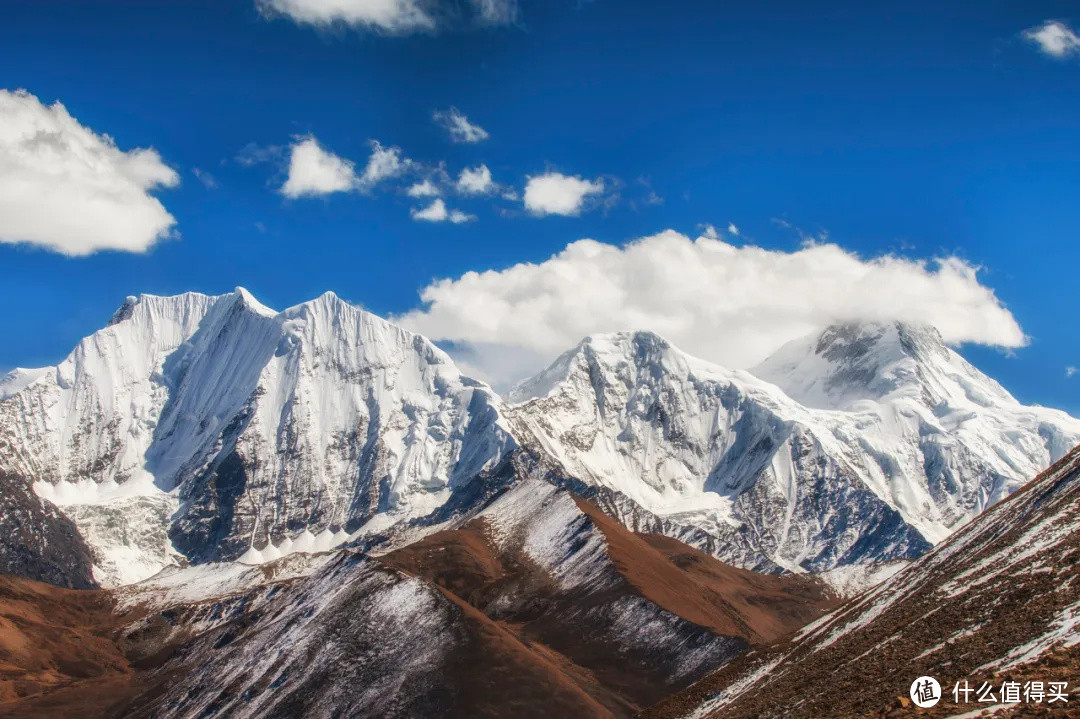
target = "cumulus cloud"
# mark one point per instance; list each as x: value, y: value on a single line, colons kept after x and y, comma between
x: 437, y: 212
x: 459, y: 127
x: 314, y: 171
x: 1070, y: 371
x: 1054, y: 38
x: 728, y: 304
x: 72, y: 190
x: 476, y: 181
x: 391, y: 16
x: 383, y: 164
x: 556, y: 194
x: 424, y: 188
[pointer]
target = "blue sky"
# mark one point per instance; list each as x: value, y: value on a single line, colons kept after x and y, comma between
x: 909, y: 130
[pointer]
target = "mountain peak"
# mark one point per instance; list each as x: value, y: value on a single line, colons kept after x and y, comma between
x: 595, y: 354
x: 850, y: 362
x: 638, y: 344
x: 249, y: 301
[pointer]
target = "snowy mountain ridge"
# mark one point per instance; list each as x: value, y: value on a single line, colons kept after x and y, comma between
x: 879, y: 477
x: 196, y: 428
x: 205, y: 426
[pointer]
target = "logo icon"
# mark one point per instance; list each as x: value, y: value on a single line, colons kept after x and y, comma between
x: 925, y: 692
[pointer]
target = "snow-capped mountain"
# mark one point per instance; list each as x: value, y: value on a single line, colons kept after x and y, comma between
x: 922, y: 408
x: 206, y: 426
x: 997, y: 602
x: 773, y: 481
x: 197, y: 428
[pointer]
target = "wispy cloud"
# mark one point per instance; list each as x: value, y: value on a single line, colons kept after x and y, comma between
x: 496, y: 12
x: 208, y: 180
x: 253, y: 154
x: 459, y: 127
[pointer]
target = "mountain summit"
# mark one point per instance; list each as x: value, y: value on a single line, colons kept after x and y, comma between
x: 879, y: 362
x: 199, y: 428
x: 209, y: 426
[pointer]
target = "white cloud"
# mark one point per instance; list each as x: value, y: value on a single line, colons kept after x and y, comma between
x: 392, y: 16
x: 1054, y: 38
x: 425, y: 188
x: 72, y: 190
x: 437, y: 212
x: 476, y: 181
x: 733, y: 229
x: 459, y: 127
x: 496, y: 12
x: 314, y: 171
x: 556, y: 194
x: 710, y: 231
x: 731, y: 305
x: 384, y: 163
x: 1070, y: 371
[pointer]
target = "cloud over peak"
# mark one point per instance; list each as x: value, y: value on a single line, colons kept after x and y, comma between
x: 1054, y: 38
x: 730, y: 304
x: 71, y: 190
x: 556, y: 194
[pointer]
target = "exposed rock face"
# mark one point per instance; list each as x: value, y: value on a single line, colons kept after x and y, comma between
x: 995, y: 602
x: 37, y: 541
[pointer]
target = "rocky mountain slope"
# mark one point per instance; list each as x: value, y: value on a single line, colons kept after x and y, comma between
x: 59, y: 654
x: 39, y: 541
x: 195, y: 429
x: 539, y: 605
x: 997, y: 602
